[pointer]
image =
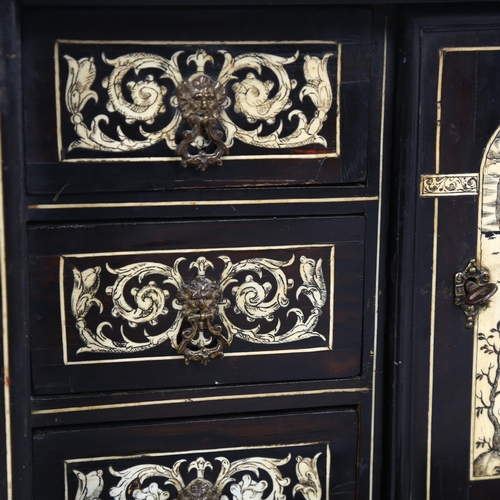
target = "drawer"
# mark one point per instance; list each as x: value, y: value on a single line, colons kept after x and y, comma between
x: 312, y: 455
x: 106, y: 109
x: 157, y: 305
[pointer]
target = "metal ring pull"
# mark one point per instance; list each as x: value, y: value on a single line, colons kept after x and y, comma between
x: 200, y: 101
x: 199, y: 300
x: 479, y: 294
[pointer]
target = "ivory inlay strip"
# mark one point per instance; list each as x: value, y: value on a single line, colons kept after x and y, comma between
x: 201, y: 203
x: 449, y: 185
x: 5, y: 333
x: 377, y: 267
x: 77, y: 409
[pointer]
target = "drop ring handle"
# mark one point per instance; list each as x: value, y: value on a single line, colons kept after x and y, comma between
x: 473, y: 290
x: 479, y: 294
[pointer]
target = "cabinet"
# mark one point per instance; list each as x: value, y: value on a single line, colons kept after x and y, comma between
x: 231, y: 235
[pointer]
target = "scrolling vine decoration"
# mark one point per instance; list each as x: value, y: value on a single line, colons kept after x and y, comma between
x: 200, y: 302
x: 137, y: 481
x: 199, y: 100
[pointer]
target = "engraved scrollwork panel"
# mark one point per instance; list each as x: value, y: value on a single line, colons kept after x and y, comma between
x: 449, y: 185
x: 118, y: 100
x: 197, y: 305
x: 277, y: 473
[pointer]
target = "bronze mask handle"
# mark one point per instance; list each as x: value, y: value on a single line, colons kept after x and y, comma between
x: 200, y: 101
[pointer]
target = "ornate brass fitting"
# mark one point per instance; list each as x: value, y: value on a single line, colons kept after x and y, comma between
x: 473, y: 290
x: 199, y: 489
x: 200, y: 101
x: 199, y: 300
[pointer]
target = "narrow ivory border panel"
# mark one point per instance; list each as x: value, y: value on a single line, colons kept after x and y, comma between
x: 377, y: 266
x: 5, y: 334
x: 442, y: 53
x: 273, y: 201
x: 449, y: 185
x: 335, y: 154
x: 67, y: 463
x: 204, y: 399
x: 62, y: 302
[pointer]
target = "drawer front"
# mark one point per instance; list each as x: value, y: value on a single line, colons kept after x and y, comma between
x: 135, y: 306
x: 313, y: 455
x: 108, y: 110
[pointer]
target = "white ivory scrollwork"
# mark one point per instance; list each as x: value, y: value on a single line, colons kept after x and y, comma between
x: 308, y: 476
x: 251, y: 296
x: 144, y: 100
x: 132, y: 479
x: 150, y: 301
x: 139, y: 473
x: 263, y: 474
x: 252, y: 95
x: 254, y: 464
x: 90, y: 485
x: 449, y: 184
x: 146, y: 304
x: 247, y: 489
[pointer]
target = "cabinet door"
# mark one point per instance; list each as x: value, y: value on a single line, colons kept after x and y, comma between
x: 449, y: 273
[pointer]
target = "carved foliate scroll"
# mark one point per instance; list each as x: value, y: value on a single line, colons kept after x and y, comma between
x: 197, y: 308
x: 260, y: 477
x: 262, y: 99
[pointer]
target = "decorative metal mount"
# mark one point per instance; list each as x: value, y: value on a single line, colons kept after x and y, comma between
x: 159, y: 482
x: 449, y: 185
x: 200, y: 300
x: 131, y: 119
x: 473, y: 290
x: 200, y: 101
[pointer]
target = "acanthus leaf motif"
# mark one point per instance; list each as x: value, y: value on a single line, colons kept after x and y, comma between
x: 133, y: 477
x: 247, y: 489
x: 314, y: 288
x: 145, y: 98
x: 90, y: 485
x: 308, y: 476
x: 259, y: 286
x: 81, y: 76
x: 143, y: 481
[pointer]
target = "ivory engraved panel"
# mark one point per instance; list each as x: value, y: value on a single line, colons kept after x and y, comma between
x: 276, y: 472
x: 122, y: 305
x: 121, y: 98
x: 485, y: 453
x: 449, y: 185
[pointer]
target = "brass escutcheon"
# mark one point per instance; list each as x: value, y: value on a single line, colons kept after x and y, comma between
x: 473, y: 290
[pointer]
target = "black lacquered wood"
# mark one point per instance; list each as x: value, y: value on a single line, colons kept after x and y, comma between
x: 233, y: 437
x: 253, y: 236
x: 47, y: 175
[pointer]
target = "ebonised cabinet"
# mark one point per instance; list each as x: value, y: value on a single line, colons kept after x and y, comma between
x: 238, y: 242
